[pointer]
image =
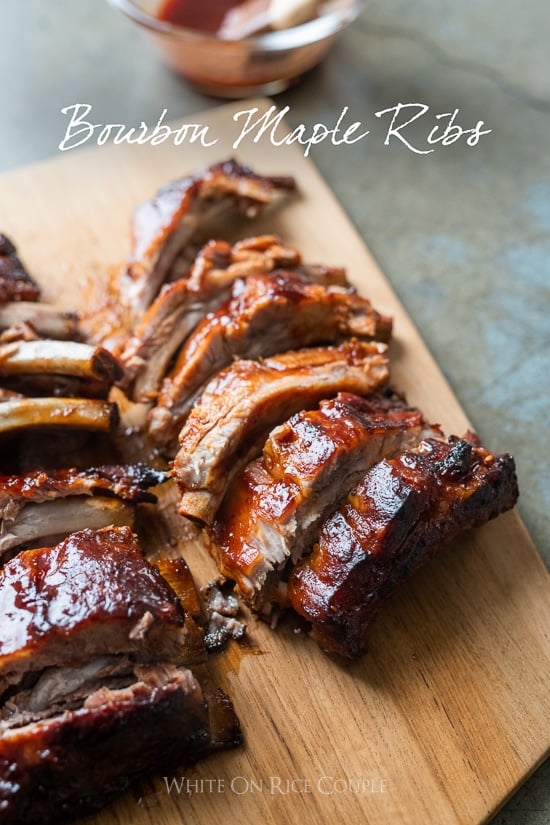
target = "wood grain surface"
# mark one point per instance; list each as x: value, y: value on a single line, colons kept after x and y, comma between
x: 449, y: 712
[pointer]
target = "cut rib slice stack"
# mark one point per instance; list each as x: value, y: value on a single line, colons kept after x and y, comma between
x: 48, y: 378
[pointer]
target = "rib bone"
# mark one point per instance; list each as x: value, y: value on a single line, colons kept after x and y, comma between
x: 75, y: 413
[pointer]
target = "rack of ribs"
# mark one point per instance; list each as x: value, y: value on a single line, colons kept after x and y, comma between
x: 319, y: 491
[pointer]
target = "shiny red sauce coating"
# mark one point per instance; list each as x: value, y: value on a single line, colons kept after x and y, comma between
x: 203, y: 15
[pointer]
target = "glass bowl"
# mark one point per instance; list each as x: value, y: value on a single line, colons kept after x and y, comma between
x: 267, y: 63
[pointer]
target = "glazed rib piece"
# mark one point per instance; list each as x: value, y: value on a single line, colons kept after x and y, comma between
x: 46, y: 320
x: 128, y: 482
x: 66, y: 620
x: 274, y: 509
x: 20, y: 413
x: 265, y: 315
x: 183, y: 304
x: 164, y: 225
x: 15, y: 282
x: 95, y: 689
x: 398, y: 516
x: 46, y: 504
x: 79, y: 760
x: 228, y: 426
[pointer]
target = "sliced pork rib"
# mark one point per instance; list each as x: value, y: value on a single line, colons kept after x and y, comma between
x: 262, y: 254
x: 91, y: 595
x: 229, y: 424
x: 249, y: 256
x: 77, y: 761
x: 164, y: 225
x: 15, y: 282
x: 265, y: 315
x: 45, y: 504
x: 183, y: 304
x: 129, y: 482
x: 95, y: 689
x: 218, y: 261
x: 398, y: 516
x: 274, y: 509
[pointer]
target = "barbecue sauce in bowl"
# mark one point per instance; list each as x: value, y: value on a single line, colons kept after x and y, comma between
x: 191, y: 38
x: 202, y: 15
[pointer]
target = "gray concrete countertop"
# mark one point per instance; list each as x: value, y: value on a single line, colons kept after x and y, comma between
x: 463, y: 234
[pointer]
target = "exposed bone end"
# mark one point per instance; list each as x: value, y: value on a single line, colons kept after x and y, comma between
x: 48, y: 356
x: 198, y: 505
x: 47, y: 321
x: 23, y: 413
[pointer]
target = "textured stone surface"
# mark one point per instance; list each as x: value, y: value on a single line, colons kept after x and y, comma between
x: 463, y: 233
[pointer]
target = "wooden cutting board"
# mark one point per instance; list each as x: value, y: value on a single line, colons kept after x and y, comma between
x: 450, y: 711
